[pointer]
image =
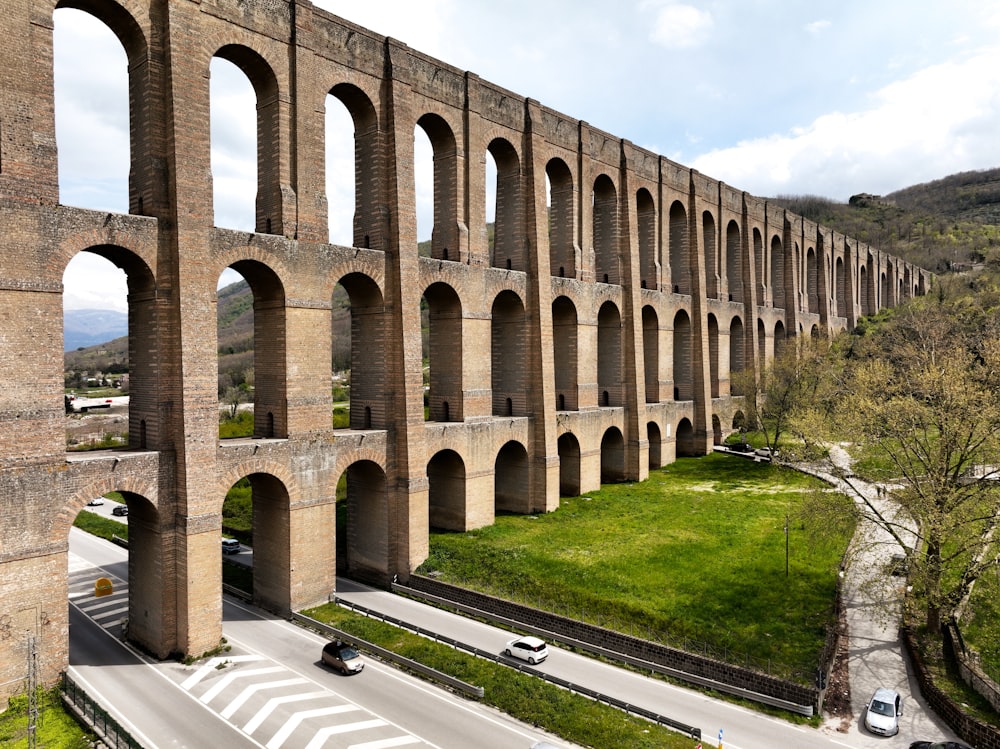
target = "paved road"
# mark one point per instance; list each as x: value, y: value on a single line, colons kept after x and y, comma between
x: 268, y: 691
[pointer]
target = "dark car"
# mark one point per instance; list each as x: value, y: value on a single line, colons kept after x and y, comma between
x: 343, y: 657
x: 119, y: 510
x: 939, y: 745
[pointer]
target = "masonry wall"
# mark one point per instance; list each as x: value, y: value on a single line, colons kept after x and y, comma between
x: 592, y: 348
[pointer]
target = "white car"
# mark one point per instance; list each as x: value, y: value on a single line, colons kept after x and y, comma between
x: 96, y: 502
x: 530, y: 649
x: 883, y: 711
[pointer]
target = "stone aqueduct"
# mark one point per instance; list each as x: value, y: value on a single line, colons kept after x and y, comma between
x: 591, y: 339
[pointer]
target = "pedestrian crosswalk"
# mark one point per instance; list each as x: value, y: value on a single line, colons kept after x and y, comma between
x: 269, y: 703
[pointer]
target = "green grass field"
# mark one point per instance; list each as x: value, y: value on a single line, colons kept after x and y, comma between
x: 695, y: 556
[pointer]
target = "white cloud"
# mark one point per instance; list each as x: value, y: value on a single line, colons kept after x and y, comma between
x: 817, y: 27
x: 938, y: 121
x: 679, y: 26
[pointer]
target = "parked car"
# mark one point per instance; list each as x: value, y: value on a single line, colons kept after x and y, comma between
x: 530, y: 649
x: 231, y: 546
x: 939, y: 745
x: 883, y: 711
x: 96, y: 502
x: 343, y: 657
x: 119, y: 510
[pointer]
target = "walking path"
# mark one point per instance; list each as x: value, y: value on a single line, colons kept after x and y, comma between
x: 876, y: 658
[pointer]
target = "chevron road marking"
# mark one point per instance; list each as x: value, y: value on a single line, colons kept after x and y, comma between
x: 322, y: 734
x: 228, y: 679
x: 250, y: 691
x: 210, y: 666
x: 265, y: 711
x: 292, y: 723
x: 387, y: 743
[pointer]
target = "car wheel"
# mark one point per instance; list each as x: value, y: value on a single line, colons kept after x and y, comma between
x: 507, y: 652
x: 531, y: 661
x: 343, y: 670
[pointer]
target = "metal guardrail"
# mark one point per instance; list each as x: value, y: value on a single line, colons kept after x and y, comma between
x: 388, y: 655
x: 96, y: 717
x: 806, y: 710
x: 627, y: 707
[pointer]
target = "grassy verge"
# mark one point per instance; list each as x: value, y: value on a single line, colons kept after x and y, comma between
x: 524, y: 697
x: 55, y: 728
x: 100, y: 526
x: 695, y: 556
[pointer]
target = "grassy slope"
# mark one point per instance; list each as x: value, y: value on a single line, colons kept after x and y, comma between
x: 697, y: 551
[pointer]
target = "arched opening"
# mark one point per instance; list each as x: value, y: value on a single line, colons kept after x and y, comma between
x: 737, y: 360
x: 655, y: 439
x: 507, y: 247
x: 645, y: 209
x: 509, y: 365
x: 651, y: 353
x: 256, y: 513
x: 609, y: 355
x: 812, y: 281
x: 759, y: 271
x: 713, y: 354
x: 565, y: 332
x: 358, y: 353
x: 779, y: 338
x: 258, y: 340
x: 683, y: 363
x: 443, y: 353
x: 612, y: 457
x: 777, y: 273
x: 716, y: 430
x: 605, y: 206
x: 685, y: 439
x: 446, y: 491
x: 711, y: 240
x: 569, y: 465
x: 680, y: 266
x: 352, y: 150
x: 562, y: 223
x: 762, y: 343
x: 511, y: 489
x: 245, y: 158
x: 734, y: 262
x: 446, y: 237
x: 840, y: 281
x: 363, y: 523
x: 110, y: 318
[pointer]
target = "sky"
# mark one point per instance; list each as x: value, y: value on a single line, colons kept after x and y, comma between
x: 775, y: 97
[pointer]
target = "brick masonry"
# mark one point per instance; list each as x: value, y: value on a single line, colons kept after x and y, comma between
x: 594, y: 350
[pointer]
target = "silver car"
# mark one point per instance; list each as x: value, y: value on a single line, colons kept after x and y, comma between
x: 883, y: 711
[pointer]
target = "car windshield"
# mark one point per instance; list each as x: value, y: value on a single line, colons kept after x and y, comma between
x: 882, y: 708
x: 348, y: 653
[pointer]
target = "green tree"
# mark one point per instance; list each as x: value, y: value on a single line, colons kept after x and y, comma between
x: 923, y: 397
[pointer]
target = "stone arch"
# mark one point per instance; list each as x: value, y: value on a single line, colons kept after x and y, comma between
x: 778, y: 297
x: 269, y: 323
x: 655, y: 439
x: 840, y: 286
x: 446, y: 234
x: 685, y: 439
x: 363, y: 524
x: 780, y: 338
x: 651, y: 353
x: 759, y: 271
x: 562, y: 221
x: 444, y: 353
x: 569, y: 465
x: 509, y: 360
x: 368, y: 224
x: 269, y: 214
x: 511, y: 487
x: 716, y: 430
x: 680, y: 261
x: 609, y: 356
x: 446, y: 491
x: 734, y: 262
x: 710, y: 237
x: 565, y: 340
x: 368, y: 332
x: 607, y: 263
x: 645, y: 214
x: 508, y: 246
x: 612, y: 456
x: 737, y: 357
x: 714, y: 364
x: 812, y: 282
x: 761, y: 342
x: 683, y: 360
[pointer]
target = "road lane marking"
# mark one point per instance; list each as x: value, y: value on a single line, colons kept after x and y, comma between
x: 322, y: 734
x: 266, y: 711
x: 229, y: 678
x: 292, y: 723
x: 251, y: 690
x: 211, y: 665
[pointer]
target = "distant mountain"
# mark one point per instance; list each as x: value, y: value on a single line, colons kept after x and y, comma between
x: 89, y: 327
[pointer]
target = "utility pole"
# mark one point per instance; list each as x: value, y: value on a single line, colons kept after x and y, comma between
x: 32, y: 692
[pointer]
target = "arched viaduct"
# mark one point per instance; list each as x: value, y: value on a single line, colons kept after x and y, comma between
x: 592, y: 338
